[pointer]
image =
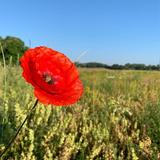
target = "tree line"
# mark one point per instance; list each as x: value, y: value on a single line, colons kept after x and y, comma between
x: 127, y: 66
x: 13, y: 48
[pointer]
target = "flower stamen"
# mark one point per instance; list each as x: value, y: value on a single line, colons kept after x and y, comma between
x: 48, y: 78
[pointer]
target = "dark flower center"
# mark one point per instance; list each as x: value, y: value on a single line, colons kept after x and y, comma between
x: 48, y: 78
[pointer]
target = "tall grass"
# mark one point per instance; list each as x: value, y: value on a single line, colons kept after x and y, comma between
x: 117, y: 118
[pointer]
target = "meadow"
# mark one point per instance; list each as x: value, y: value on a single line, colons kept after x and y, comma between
x: 118, y: 118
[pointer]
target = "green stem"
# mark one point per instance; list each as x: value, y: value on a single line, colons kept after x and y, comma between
x: 12, y: 139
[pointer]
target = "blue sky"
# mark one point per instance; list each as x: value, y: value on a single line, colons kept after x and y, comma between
x: 110, y: 31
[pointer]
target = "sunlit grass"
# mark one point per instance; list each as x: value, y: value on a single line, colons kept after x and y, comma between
x: 117, y: 118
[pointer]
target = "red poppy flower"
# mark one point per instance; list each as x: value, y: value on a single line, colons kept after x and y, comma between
x: 54, y: 77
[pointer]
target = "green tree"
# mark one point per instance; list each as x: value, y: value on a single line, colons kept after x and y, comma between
x: 13, y: 48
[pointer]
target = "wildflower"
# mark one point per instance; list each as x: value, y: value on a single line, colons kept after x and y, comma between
x: 54, y: 77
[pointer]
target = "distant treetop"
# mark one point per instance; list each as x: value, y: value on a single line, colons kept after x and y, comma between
x: 13, y: 48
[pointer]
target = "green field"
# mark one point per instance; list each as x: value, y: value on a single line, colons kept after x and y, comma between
x: 118, y: 118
